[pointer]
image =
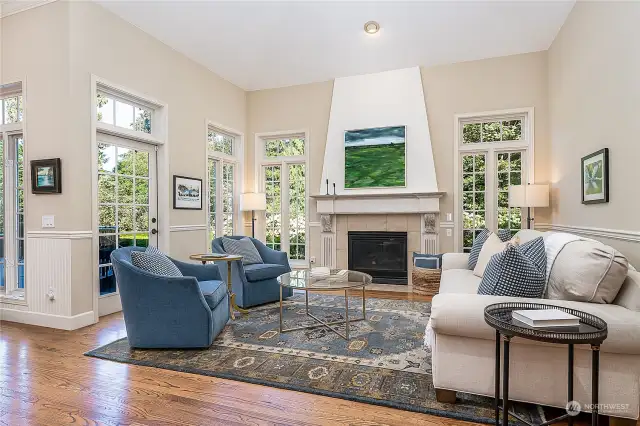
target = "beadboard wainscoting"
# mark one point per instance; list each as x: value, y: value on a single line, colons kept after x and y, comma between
x: 50, y: 271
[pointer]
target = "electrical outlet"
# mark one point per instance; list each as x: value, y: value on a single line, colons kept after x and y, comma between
x: 48, y: 222
x: 312, y: 259
x: 51, y: 294
x: 449, y: 233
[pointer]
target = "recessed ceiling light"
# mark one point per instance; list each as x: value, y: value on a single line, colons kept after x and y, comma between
x: 371, y: 27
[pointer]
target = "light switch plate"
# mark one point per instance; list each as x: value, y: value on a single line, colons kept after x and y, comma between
x: 449, y: 217
x: 48, y: 222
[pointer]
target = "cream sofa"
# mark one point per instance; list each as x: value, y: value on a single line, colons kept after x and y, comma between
x: 463, y: 348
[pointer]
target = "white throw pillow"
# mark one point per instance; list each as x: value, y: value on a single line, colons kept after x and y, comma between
x: 587, y: 271
x: 492, y: 246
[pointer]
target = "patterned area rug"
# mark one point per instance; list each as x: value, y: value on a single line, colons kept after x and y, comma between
x: 383, y: 363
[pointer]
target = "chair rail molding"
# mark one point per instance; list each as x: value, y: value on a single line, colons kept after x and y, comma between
x: 184, y: 228
x: 66, y: 235
x: 615, y: 234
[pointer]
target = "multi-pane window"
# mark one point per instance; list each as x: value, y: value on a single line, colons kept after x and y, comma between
x: 11, y: 109
x: 473, y: 197
x: 284, y: 181
x: 220, y: 142
x: 284, y: 147
x: 18, y: 142
x: 12, y: 196
x: 212, y: 185
x: 492, y: 131
x: 227, y: 198
x: 121, y: 113
x: 509, y: 172
x: 222, y: 182
x: 493, y: 152
x: 273, y: 214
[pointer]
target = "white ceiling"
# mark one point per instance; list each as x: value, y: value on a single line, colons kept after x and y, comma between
x: 265, y: 44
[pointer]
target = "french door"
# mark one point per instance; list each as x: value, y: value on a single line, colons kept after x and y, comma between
x: 286, y: 223
x: 127, y: 207
x: 484, y: 187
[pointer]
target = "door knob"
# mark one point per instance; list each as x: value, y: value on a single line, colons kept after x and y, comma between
x: 154, y: 231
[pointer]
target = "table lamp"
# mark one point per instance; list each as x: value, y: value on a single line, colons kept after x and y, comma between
x: 536, y: 195
x: 252, y: 201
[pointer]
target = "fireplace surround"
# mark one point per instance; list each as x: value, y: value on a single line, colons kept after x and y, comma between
x: 381, y: 254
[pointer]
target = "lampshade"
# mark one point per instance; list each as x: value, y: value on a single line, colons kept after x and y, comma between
x: 529, y: 195
x: 253, y: 201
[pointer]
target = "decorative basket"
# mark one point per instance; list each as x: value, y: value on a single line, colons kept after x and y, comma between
x: 426, y: 281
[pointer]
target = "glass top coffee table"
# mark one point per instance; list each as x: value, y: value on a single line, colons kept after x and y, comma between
x: 325, y: 279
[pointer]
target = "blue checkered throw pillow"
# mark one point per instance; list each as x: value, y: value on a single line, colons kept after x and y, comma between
x: 519, y: 271
x: 481, y: 238
x: 154, y: 261
x: 243, y: 247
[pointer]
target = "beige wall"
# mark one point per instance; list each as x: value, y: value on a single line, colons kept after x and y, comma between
x: 492, y: 84
x: 594, y: 92
x: 56, y: 48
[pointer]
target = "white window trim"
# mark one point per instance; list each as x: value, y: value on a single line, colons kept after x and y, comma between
x: 237, y: 159
x: 10, y: 293
x: 528, y: 145
x: 261, y: 160
x: 158, y: 137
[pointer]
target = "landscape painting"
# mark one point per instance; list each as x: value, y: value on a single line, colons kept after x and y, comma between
x: 595, y: 177
x: 187, y: 193
x: 375, y: 157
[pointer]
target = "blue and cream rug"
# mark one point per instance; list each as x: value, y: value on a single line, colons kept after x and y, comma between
x: 383, y: 363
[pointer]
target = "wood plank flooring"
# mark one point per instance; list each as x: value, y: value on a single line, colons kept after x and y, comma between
x: 46, y: 380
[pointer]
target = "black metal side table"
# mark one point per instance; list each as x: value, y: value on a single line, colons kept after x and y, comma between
x: 592, y: 331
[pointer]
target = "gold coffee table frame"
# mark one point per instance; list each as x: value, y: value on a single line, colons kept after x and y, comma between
x: 309, y: 279
x: 204, y: 258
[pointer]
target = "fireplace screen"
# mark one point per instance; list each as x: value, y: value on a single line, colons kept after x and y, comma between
x: 383, y: 255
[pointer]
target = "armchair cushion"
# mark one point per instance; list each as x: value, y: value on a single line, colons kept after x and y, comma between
x: 213, y: 291
x: 242, y: 247
x: 264, y: 271
x: 154, y: 261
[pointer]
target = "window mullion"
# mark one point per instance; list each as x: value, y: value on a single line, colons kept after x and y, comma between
x: 219, y: 199
x: 284, y: 203
x: 10, y: 242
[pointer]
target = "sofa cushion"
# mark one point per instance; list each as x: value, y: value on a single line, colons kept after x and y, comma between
x: 154, y: 261
x: 463, y: 315
x: 518, y: 271
x: 503, y: 234
x: 263, y: 271
x: 213, y: 292
x: 587, y: 271
x: 629, y: 294
x: 242, y: 247
x: 526, y: 235
x: 458, y: 281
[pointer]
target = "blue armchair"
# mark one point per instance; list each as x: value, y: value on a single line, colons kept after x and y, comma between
x: 255, y: 284
x: 171, y: 312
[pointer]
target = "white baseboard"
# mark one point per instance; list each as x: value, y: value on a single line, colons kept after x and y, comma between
x: 48, y: 320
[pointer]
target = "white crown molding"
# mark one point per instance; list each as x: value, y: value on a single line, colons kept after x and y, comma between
x: 67, y: 235
x: 184, y: 228
x: 615, y: 234
x: 48, y: 320
x: 11, y: 8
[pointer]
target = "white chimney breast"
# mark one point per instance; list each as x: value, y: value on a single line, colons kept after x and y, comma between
x: 392, y: 98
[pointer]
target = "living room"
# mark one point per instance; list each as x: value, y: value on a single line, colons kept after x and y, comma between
x: 366, y: 147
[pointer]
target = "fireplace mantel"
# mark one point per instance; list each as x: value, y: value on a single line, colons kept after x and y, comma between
x: 387, y: 203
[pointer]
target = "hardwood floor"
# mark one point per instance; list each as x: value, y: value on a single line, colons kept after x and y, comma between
x: 46, y: 380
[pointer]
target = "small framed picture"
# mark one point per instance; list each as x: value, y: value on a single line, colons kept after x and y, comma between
x: 187, y: 193
x: 46, y: 177
x: 595, y: 177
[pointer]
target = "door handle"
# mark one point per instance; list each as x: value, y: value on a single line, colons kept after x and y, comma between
x: 154, y: 231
